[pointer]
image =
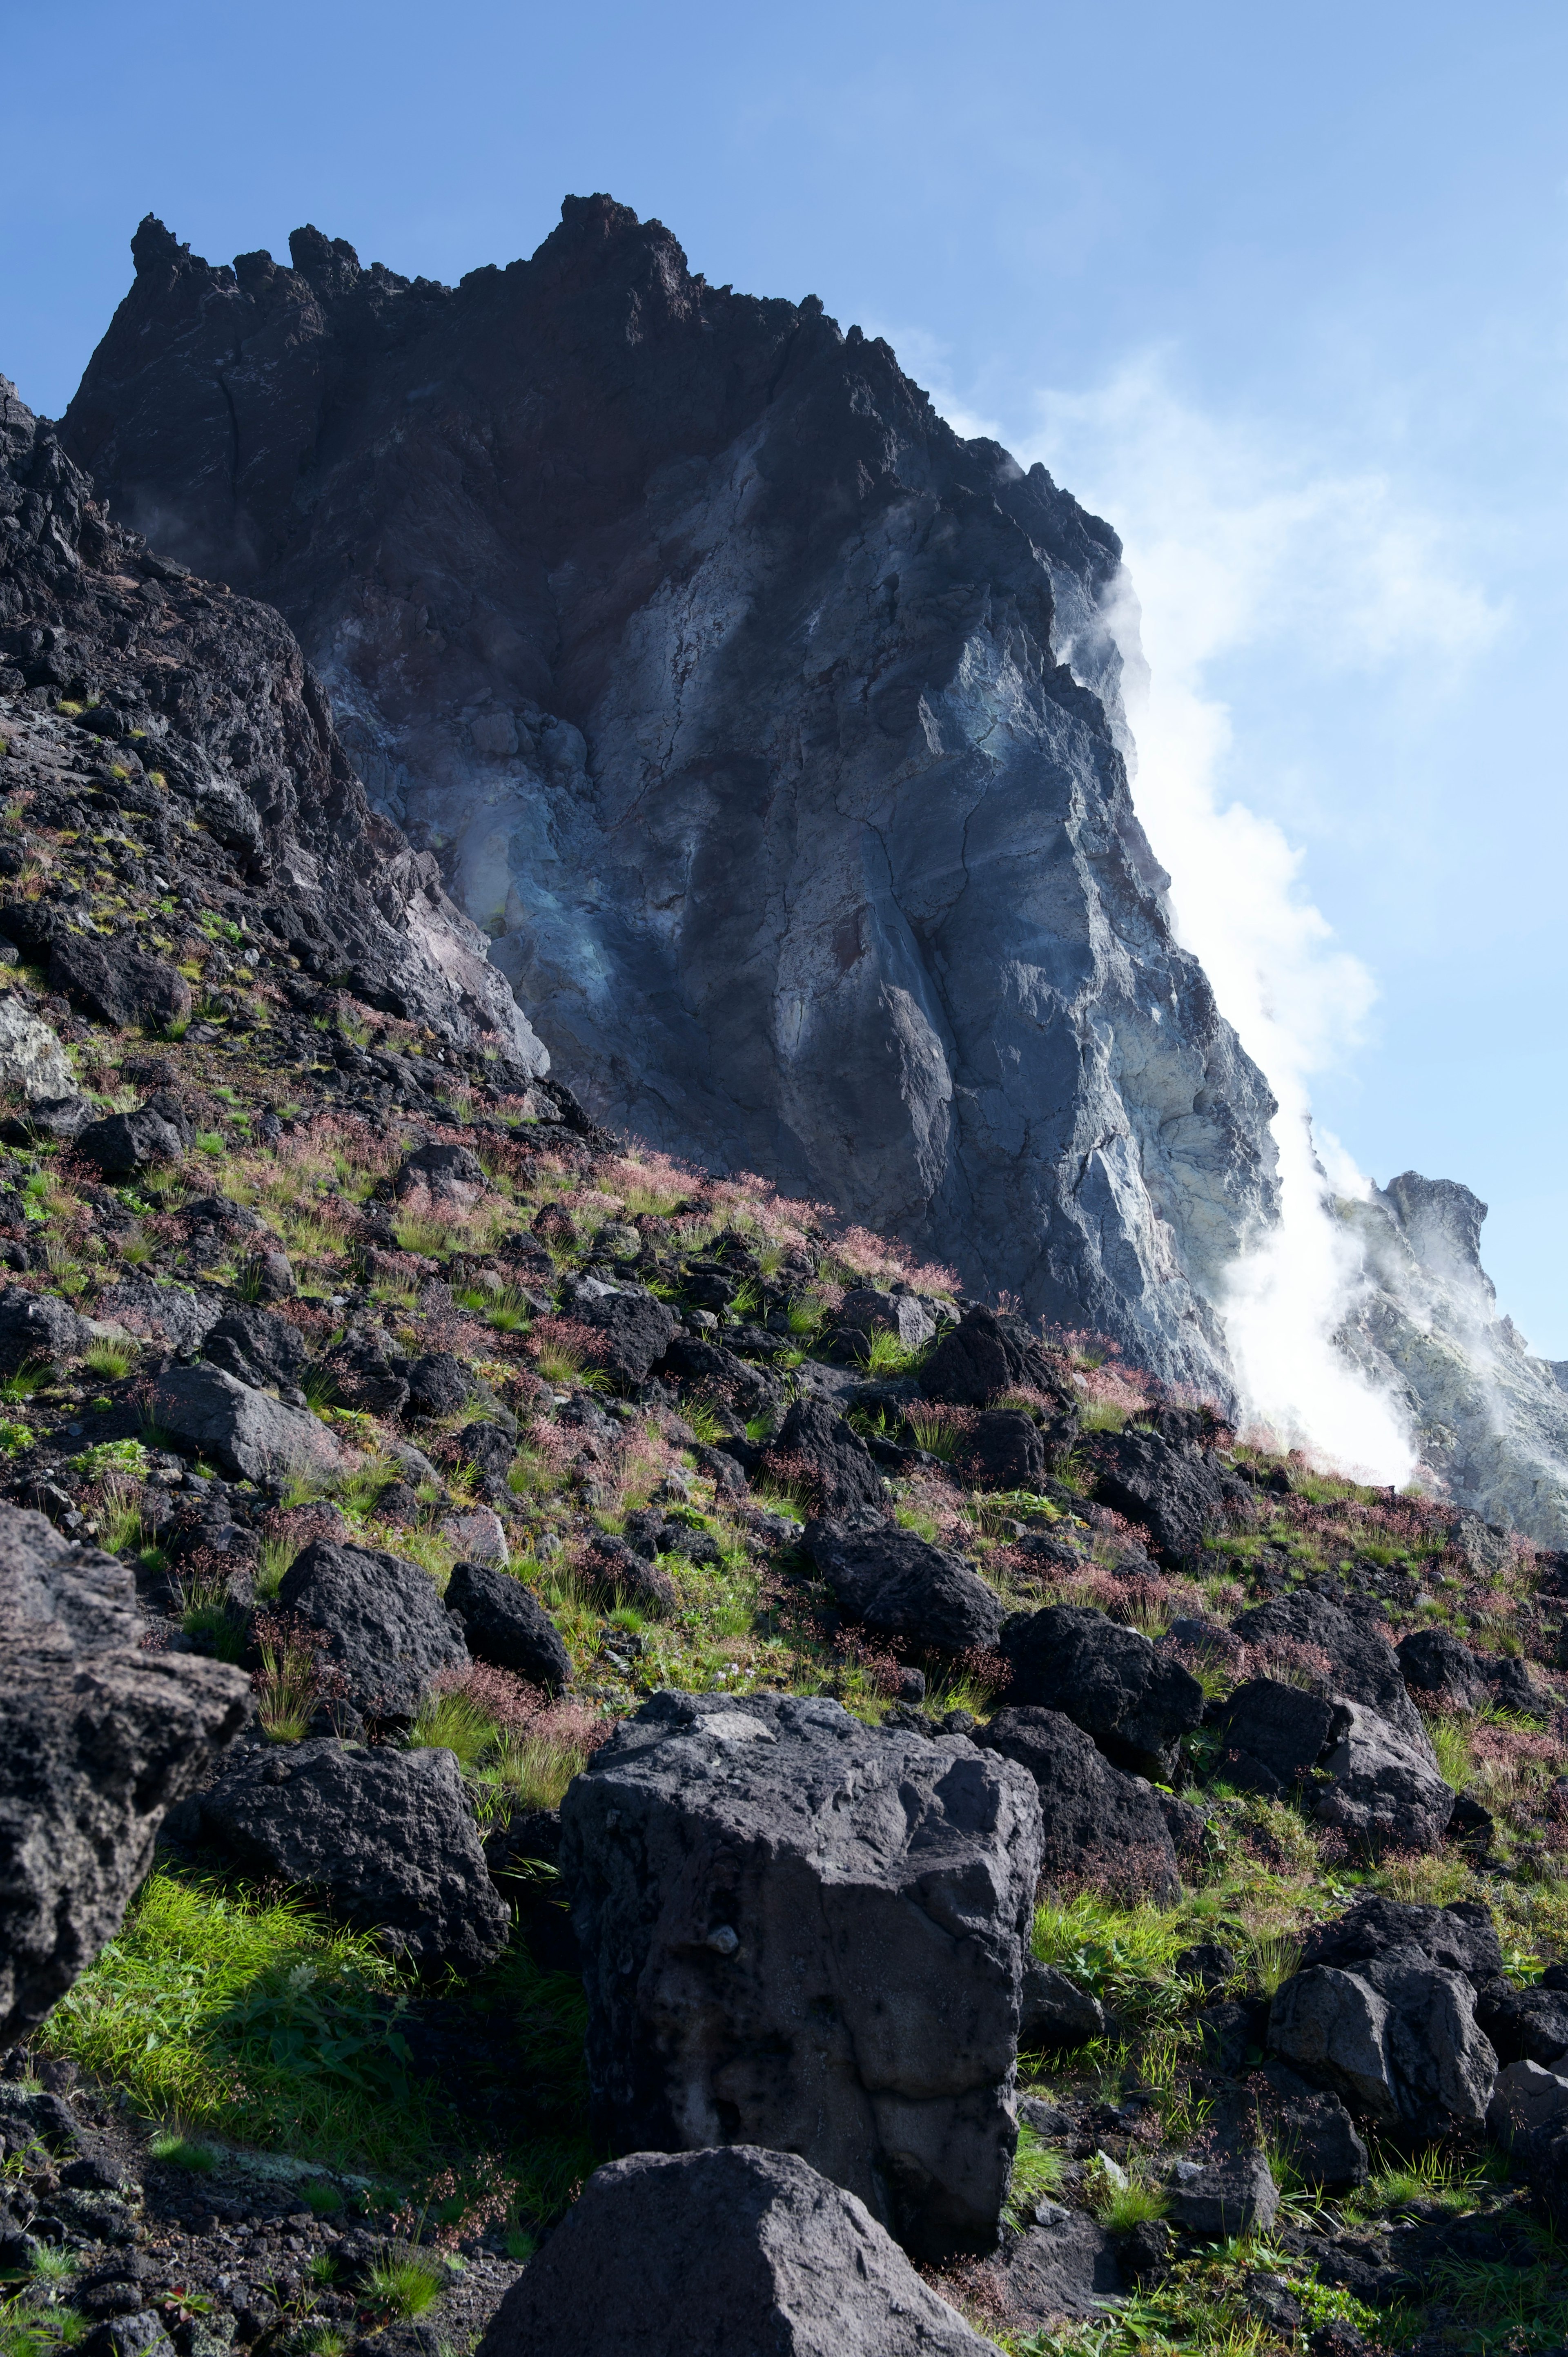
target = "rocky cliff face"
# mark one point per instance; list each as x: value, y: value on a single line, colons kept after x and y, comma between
x: 726, y: 682
x: 1491, y: 1418
x: 222, y: 739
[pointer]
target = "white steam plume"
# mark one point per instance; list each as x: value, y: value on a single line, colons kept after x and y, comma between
x: 1230, y: 546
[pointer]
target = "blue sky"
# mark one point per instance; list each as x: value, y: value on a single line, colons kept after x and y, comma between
x: 1279, y: 290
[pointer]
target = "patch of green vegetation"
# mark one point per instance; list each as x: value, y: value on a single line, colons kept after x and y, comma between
x: 253, y: 2017
x: 127, y: 1458
x: 1037, y: 2172
x: 405, y: 2282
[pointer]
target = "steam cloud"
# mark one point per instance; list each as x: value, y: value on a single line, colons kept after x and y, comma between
x: 1230, y: 547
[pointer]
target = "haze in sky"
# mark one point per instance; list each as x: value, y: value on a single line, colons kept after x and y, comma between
x: 1278, y: 291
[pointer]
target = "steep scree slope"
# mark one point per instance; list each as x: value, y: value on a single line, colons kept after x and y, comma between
x: 726, y: 681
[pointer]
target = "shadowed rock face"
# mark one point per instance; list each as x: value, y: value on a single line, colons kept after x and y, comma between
x: 728, y: 682
x: 97, y: 1740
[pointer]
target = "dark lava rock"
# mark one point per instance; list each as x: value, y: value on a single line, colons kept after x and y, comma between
x: 1437, y: 1667
x: 633, y: 1331
x: 1527, y: 2025
x: 384, y: 1628
x: 1099, y: 1825
x: 256, y: 1347
x: 371, y: 1371
x: 1068, y: 2269
x: 124, y: 1143
x: 504, y: 1623
x: 1006, y: 1451
x: 1174, y: 1494
x: 450, y: 1174
x: 614, y: 1564
x: 1232, y: 2194
x: 1397, y: 2040
x: 37, y: 1328
x: 387, y: 1835
x: 1362, y: 1666
x: 1136, y: 1703
x: 246, y: 1432
x: 118, y: 983
x: 171, y: 1314
x: 1459, y: 1938
x: 97, y: 1740
x: 986, y: 1353
x: 1056, y: 2010
x: 801, y: 1933
x: 1318, y: 2136
x: 804, y: 2269
x: 1279, y: 1730
x: 708, y: 1369
x: 440, y: 1383
x: 902, y: 1586
x: 845, y: 1476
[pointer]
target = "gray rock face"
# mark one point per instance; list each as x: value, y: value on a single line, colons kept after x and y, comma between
x: 804, y: 2269
x: 783, y: 741
x: 847, y: 1478
x: 1068, y: 2268
x: 1175, y: 1494
x: 118, y: 983
x: 255, y: 1347
x: 388, y: 1835
x: 1234, y: 2195
x: 503, y: 1623
x: 1098, y: 1824
x: 902, y: 1586
x: 1136, y: 1703
x: 97, y: 1741
x: 386, y: 1630
x: 1397, y: 2042
x: 635, y: 1329
x: 31, y: 1058
x: 36, y: 1328
x: 1362, y: 1665
x: 1488, y: 1415
x: 1385, y: 1793
x: 124, y: 1143
x: 1526, y: 2097
x: 246, y: 1432
x: 1279, y: 1730
x: 801, y: 1933
x: 903, y: 1315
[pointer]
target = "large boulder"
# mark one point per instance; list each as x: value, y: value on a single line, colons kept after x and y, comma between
x: 171, y: 1314
x: 1098, y: 1824
x: 710, y: 1371
x: 1525, y: 2025
x: 383, y: 1628
x: 1526, y: 2100
x: 800, y: 1933
x: 1057, y: 2009
x: 445, y: 1178
x: 124, y: 1143
x: 987, y: 1353
x: 1232, y: 2194
x: 1383, y: 2012
x: 842, y: 1465
x: 632, y: 1328
x: 1384, y: 1791
x: 1175, y: 1493
x: 902, y: 1586
x: 245, y: 1432
x: 387, y: 1836
x: 118, y: 983
x: 1272, y: 1734
x: 736, y: 2250
x: 97, y: 1740
x: 1354, y: 1660
x: 371, y: 1371
x: 31, y: 1058
x: 1006, y: 1450
x: 37, y: 1327
x: 503, y: 1622
x: 256, y: 1347
x: 1136, y: 1703
x: 1397, y: 2042
x: 1438, y: 1669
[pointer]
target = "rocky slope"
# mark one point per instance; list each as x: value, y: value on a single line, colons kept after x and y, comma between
x: 727, y: 683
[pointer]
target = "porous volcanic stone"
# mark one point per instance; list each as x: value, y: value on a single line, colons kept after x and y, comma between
x: 387, y: 1835
x: 255, y: 1347
x: 734, y: 2251
x: 634, y: 1329
x: 1173, y: 1492
x: 1398, y: 2042
x: 385, y: 1628
x: 503, y: 1622
x: 799, y: 1932
x: 124, y: 1143
x: 38, y: 1327
x: 246, y: 1432
x: 1278, y: 1729
x: 1362, y: 1666
x: 846, y: 1476
x: 1384, y: 1791
x: 902, y: 1586
x: 1097, y: 1823
x: 118, y: 983
x: 97, y: 1741
x: 1136, y: 1703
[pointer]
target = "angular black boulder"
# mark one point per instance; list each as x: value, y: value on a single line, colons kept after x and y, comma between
x: 902, y: 1586
x: 1137, y: 1703
x: 503, y: 1622
x: 1099, y: 1825
x: 383, y: 1627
